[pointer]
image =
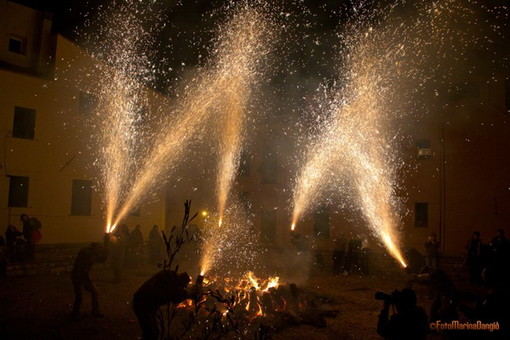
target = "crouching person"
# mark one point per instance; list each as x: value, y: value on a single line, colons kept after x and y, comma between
x: 86, y: 258
x: 164, y: 287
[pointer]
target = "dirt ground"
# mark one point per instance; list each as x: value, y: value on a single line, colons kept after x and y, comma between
x: 39, y: 307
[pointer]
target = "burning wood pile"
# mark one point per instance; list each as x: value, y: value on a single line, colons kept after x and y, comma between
x: 226, y: 308
x: 245, y: 308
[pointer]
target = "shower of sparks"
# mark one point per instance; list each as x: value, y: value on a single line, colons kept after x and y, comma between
x: 391, y: 57
x: 122, y: 46
x: 230, y: 148
x: 248, y: 33
x: 230, y: 246
x: 218, y: 92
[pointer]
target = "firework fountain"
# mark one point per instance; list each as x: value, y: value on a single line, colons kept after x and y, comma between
x: 245, y: 39
x: 124, y: 44
x: 134, y: 164
x: 388, y: 58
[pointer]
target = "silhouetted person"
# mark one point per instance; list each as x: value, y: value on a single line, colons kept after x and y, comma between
x: 500, y: 256
x: 339, y: 254
x: 474, y: 249
x: 445, y: 305
x: 444, y: 292
x: 3, y: 257
x: 155, y: 245
x: 431, y: 251
x: 86, y: 258
x: 135, y: 247
x: 352, y: 260
x: 119, y: 248
x: 12, y: 240
x: 409, y: 321
x: 28, y: 230
x: 493, y: 306
x: 162, y: 288
x: 364, y: 257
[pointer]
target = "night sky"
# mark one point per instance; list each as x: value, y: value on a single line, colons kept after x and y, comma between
x: 190, y: 28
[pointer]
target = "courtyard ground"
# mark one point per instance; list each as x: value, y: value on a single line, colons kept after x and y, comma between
x: 38, y: 307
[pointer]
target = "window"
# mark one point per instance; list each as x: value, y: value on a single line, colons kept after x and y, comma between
x: 268, y: 225
x: 321, y: 223
x: 423, y: 149
x: 18, y: 191
x: 17, y: 45
x: 81, y: 201
x: 88, y: 103
x: 269, y: 168
x: 24, y: 123
x: 421, y: 214
x: 244, y: 164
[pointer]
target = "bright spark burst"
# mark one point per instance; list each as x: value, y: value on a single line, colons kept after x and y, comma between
x: 222, y: 88
x: 231, y: 245
x: 385, y: 69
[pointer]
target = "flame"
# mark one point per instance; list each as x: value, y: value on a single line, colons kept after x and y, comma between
x: 272, y: 283
x: 259, y: 312
x: 253, y: 280
x: 293, y: 226
x: 185, y: 304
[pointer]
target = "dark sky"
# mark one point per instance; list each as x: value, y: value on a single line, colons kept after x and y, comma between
x: 190, y: 29
x: 190, y: 26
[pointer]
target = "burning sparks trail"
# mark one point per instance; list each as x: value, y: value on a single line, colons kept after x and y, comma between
x: 387, y: 67
x: 221, y: 88
x: 230, y: 245
x: 123, y: 44
x: 245, y: 39
x: 224, y: 87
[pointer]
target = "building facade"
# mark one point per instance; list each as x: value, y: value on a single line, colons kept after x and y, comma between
x: 48, y: 151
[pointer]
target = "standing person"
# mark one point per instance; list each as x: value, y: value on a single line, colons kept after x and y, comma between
x: 499, y: 248
x: 500, y: 256
x: 364, y: 256
x: 135, y: 247
x: 28, y: 230
x: 12, y: 239
x: 474, y: 258
x: 155, y: 245
x: 431, y: 251
x: 86, y: 258
x: 339, y: 254
x: 119, y: 250
x: 353, y: 255
x: 3, y: 257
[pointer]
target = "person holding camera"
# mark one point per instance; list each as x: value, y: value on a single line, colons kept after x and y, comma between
x: 409, y: 321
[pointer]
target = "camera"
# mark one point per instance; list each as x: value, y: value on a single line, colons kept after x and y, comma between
x: 405, y: 298
x: 390, y: 298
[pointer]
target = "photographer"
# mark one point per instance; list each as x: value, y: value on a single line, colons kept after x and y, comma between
x: 409, y: 321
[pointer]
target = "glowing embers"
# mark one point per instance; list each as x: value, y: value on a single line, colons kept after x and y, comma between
x: 248, y: 297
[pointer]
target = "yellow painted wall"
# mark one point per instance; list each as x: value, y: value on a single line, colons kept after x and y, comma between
x: 61, y: 151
